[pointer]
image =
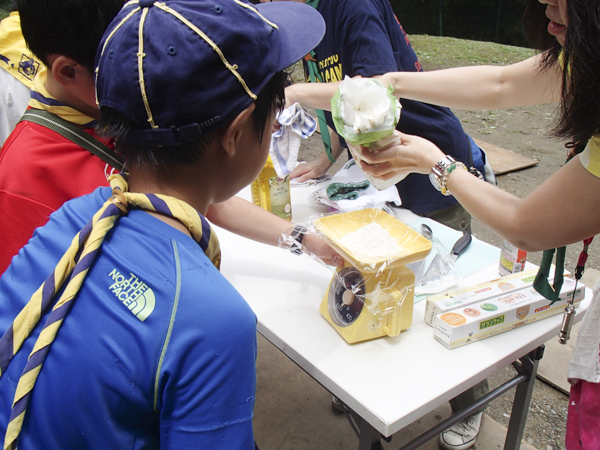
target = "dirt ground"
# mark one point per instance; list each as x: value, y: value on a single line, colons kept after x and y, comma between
x: 525, y: 131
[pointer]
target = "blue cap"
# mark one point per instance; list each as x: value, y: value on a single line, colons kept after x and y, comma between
x: 180, y: 68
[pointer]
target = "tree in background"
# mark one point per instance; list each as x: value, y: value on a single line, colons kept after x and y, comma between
x: 480, y: 20
x: 5, y: 7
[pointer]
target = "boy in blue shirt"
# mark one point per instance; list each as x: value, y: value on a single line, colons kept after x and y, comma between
x: 147, y: 345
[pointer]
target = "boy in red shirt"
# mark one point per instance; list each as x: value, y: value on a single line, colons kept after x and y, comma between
x: 40, y: 169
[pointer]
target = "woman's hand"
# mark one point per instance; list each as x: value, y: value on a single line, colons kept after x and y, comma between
x: 411, y: 154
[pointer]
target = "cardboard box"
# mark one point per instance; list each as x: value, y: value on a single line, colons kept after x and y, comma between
x: 457, y: 298
x: 495, y: 315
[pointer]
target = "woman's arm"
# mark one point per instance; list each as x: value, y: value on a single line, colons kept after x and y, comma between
x: 480, y: 87
x: 473, y: 87
x: 563, y: 210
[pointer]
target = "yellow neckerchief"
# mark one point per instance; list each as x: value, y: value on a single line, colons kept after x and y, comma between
x: 71, y: 270
x: 42, y: 99
x: 15, y: 57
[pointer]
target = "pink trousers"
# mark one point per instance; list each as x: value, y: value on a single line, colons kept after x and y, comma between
x: 583, y: 420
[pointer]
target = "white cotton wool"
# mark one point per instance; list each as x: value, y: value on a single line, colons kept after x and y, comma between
x: 371, y: 241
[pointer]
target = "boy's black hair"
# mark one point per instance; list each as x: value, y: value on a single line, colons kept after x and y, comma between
x: 72, y: 28
x: 579, y: 117
x: 114, y: 124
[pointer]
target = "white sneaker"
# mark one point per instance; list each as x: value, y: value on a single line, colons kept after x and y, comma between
x: 337, y: 406
x: 461, y: 435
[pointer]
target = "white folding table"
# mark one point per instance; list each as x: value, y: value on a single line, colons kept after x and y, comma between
x: 386, y: 383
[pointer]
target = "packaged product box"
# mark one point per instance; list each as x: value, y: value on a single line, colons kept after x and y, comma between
x: 494, y: 315
x: 512, y: 259
x: 456, y: 298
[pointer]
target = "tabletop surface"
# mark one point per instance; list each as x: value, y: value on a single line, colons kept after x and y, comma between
x: 390, y: 382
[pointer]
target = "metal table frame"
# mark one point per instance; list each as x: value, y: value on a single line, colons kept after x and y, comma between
x: 524, y: 381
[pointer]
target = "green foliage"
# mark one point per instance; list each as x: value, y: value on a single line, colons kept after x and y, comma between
x: 441, y: 52
x: 481, y: 20
x: 436, y: 52
x: 5, y: 6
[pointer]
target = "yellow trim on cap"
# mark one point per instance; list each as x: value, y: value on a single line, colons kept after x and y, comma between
x: 110, y: 36
x: 125, y: 19
x: 215, y: 47
x: 140, y: 56
x: 251, y: 8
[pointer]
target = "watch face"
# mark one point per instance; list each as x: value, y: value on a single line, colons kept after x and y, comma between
x: 435, y: 181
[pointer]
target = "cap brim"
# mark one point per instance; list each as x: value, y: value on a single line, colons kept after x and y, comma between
x: 301, y: 28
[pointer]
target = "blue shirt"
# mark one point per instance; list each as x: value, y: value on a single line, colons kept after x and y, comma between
x: 364, y: 37
x: 158, y: 350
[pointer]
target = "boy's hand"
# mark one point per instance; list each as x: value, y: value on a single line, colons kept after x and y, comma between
x: 309, y: 170
x: 321, y: 249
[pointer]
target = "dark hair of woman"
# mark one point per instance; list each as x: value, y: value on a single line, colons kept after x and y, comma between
x: 579, y: 117
x: 114, y: 124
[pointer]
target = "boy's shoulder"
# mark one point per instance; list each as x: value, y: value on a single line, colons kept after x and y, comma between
x: 32, y: 150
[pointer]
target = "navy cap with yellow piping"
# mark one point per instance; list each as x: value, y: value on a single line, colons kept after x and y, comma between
x: 179, y: 68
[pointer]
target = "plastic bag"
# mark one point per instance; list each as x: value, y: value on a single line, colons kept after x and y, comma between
x: 376, y: 248
x: 366, y: 113
x: 438, y: 273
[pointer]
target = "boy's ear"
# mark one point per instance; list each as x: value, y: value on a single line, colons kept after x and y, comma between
x: 67, y: 71
x: 234, y: 132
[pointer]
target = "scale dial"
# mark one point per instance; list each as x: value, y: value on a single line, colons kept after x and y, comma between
x: 346, y: 296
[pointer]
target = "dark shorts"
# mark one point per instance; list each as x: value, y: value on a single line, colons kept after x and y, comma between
x: 455, y: 217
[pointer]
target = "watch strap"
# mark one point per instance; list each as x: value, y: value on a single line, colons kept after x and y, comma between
x: 298, y: 237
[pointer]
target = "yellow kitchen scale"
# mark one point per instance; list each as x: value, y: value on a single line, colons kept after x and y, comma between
x: 371, y: 296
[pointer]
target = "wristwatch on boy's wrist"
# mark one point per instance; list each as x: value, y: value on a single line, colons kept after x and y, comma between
x: 441, y: 170
x: 298, y: 237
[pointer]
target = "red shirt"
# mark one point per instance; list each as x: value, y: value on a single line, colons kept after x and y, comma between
x: 39, y: 171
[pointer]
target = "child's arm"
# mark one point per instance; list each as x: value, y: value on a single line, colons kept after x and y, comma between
x: 250, y: 221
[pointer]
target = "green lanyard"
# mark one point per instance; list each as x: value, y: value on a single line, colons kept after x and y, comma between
x: 541, y: 284
x: 314, y: 77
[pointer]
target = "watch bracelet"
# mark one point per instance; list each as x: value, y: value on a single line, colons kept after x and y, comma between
x: 447, y: 171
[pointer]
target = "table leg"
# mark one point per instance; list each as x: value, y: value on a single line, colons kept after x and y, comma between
x: 368, y: 437
x: 528, y: 366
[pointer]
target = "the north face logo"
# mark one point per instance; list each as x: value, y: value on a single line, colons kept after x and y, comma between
x: 133, y: 293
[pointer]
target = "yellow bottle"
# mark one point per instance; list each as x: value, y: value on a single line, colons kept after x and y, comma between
x: 271, y: 192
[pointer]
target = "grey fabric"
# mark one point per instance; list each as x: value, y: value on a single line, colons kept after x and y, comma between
x: 471, y: 395
x: 455, y: 217
x: 585, y: 364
